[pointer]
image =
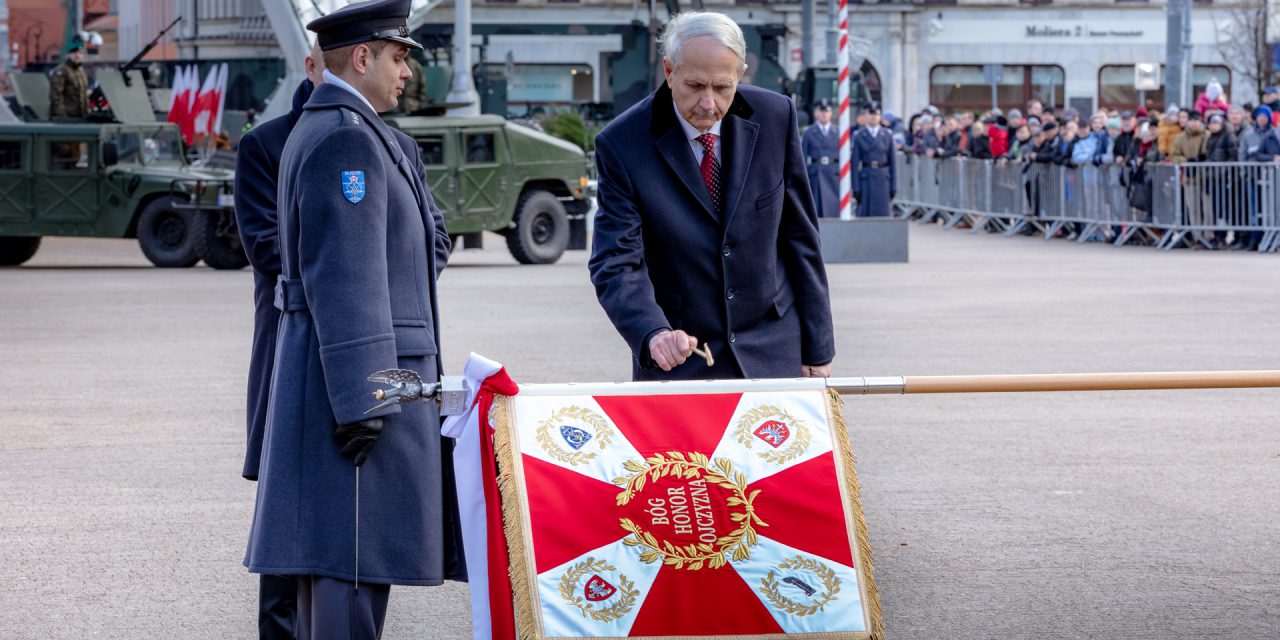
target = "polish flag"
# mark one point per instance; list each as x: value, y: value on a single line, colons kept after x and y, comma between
x: 206, y: 103
x: 181, y: 100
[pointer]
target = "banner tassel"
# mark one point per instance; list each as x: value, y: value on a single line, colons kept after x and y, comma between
x: 848, y: 464
x: 512, y: 522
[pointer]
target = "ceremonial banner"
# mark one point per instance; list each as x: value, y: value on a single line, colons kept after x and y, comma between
x: 665, y: 510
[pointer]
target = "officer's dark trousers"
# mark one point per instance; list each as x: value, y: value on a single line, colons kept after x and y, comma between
x: 332, y: 609
x: 277, y: 607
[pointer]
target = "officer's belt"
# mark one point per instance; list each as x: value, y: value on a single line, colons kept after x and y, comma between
x: 876, y: 165
x: 289, y: 295
x: 821, y: 160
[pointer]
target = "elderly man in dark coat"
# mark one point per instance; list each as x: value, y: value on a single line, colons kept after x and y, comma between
x: 361, y: 245
x: 821, y: 147
x: 257, y: 168
x: 706, y: 229
x: 872, y: 168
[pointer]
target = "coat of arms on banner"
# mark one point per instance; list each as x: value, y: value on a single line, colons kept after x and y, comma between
x: 716, y: 515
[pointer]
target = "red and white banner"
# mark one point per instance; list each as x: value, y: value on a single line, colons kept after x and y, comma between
x: 645, y: 510
x: 197, y: 108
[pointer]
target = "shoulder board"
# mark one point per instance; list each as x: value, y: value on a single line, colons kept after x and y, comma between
x: 351, y: 117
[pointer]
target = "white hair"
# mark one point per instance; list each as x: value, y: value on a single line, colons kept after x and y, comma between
x: 684, y: 27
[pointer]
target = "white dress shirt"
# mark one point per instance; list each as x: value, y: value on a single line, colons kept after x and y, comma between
x: 692, y: 134
x: 334, y: 80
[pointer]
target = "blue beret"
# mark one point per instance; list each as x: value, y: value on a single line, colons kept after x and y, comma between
x: 364, y: 21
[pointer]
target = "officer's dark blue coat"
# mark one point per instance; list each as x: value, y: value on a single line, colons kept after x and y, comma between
x: 824, y: 179
x: 749, y: 281
x: 874, y: 186
x: 360, y: 296
x: 257, y: 165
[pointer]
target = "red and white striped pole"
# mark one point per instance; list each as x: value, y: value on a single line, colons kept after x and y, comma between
x: 842, y: 95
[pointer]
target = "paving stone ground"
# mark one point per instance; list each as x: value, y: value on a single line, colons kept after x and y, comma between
x: 1122, y: 515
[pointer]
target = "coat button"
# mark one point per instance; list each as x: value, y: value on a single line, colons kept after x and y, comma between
x: 726, y: 251
x: 729, y: 294
x: 733, y: 337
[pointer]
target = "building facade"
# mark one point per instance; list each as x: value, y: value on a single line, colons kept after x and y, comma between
x: 1074, y: 52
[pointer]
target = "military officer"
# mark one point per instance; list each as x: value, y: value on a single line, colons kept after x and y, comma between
x: 872, y: 167
x: 821, y: 147
x: 354, y: 502
x: 69, y: 87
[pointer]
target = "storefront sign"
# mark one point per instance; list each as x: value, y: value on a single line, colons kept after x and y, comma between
x: 1115, y: 28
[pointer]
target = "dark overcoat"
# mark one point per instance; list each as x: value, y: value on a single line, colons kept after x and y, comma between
x: 873, y: 171
x: 257, y: 165
x: 748, y: 280
x: 359, y: 295
x: 824, y: 179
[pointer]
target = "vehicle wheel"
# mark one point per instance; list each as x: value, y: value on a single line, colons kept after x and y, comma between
x: 541, y: 231
x: 15, y: 250
x: 218, y: 241
x: 167, y: 234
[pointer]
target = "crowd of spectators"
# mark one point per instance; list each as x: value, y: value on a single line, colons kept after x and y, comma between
x: 1212, y: 130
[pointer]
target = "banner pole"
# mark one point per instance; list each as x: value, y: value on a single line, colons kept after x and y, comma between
x: 1143, y: 381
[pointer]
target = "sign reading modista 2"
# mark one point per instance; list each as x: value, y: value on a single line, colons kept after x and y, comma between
x: 1079, y: 31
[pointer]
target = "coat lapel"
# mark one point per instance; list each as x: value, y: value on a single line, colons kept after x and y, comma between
x: 739, y: 148
x: 673, y: 147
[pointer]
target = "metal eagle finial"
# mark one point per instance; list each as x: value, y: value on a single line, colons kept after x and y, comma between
x: 406, y: 386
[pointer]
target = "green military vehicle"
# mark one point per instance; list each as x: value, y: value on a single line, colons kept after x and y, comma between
x: 113, y: 181
x: 125, y: 179
x: 132, y: 180
x: 487, y: 174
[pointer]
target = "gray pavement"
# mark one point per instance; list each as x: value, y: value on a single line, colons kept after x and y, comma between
x: 1124, y: 515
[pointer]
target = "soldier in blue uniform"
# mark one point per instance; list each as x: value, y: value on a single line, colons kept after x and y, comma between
x: 872, y: 167
x: 353, y: 502
x: 820, y: 145
x: 257, y: 166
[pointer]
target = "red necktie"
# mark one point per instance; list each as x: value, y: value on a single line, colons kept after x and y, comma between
x: 710, y: 167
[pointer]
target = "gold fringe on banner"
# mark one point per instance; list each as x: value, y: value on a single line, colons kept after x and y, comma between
x: 854, y: 488
x: 513, y: 524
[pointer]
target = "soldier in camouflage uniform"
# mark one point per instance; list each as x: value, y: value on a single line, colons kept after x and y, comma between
x: 415, y: 88
x: 69, y: 87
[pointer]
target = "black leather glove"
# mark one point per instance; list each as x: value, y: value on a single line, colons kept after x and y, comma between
x: 357, y: 439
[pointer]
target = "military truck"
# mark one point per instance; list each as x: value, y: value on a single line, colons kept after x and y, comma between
x: 487, y: 174
x: 113, y: 181
x: 124, y: 179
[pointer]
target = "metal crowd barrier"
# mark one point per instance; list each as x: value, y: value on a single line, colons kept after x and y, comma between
x: 1165, y: 205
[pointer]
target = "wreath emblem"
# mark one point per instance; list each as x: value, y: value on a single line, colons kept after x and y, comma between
x: 592, y: 597
x: 577, y: 428
x: 793, y: 586
x: 691, y: 466
x: 787, y: 437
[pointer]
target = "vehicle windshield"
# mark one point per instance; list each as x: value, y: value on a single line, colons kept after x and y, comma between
x: 147, y: 146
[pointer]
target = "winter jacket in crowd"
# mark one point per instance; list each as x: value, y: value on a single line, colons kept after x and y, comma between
x: 979, y: 148
x: 1204, y: 105
x: 1125, y: 145
x: 1221, y: 147
x: 1262, y: 146
x: 1189, y: 147
x: 1168, y: 131
x: 999, y: 139
x: 952, y: 145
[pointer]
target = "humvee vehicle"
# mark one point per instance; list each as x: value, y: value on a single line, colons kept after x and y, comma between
x: 111, y: 180
x: 133, y: 181
x: 487, y: 174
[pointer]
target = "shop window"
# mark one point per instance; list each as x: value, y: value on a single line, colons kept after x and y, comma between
x: 964, y: 87
x: 1115, y: 86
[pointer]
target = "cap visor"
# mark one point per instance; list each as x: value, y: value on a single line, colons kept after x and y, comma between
x: 408, y: 42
